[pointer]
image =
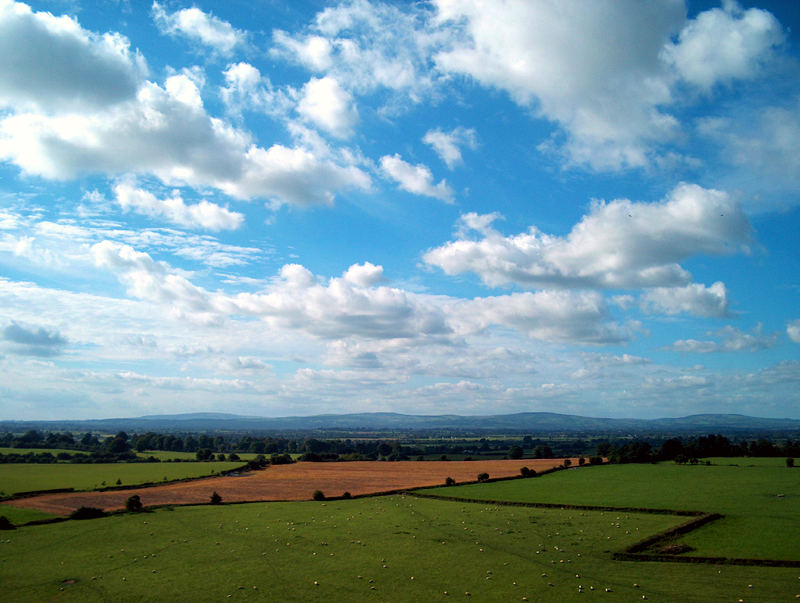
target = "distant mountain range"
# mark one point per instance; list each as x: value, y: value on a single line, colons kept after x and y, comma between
x: 527, y: 422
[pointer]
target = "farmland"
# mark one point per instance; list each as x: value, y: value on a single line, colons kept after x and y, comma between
x: 758, y: 523
x: 395, y: 548
x: 405, y: 548
x: 27, y: 477
x: 296, y: 481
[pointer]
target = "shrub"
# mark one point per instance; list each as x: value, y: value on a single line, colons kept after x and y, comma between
x: 483, y: 477
x: 318, y: 495
x: 233, y: 457
x: 567, y: 463
x: 346, y: 495
x: 790, y: 462
x: 133, y: 504
x: 595, y: 460
x: 216, y: 499
x: 515, y: 452
x: 526, y: 472
x: 5, y: 524
x: 87, y: 513
x: 119, y: 482
x: 444, y: 458
x: 449, y: 482
x: 582, y: 461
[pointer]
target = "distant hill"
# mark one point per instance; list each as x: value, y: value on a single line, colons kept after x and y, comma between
x: 529, y: 422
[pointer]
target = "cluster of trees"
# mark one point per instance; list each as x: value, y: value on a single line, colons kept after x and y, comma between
x: 692, y: 449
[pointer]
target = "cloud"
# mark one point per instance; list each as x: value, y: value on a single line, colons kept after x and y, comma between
x: 763, y: 145
x: 200, y: 215
x: 356, y: 306
x: 447, y: 144
x: 618, y: 244
x: 364, y: 275
x: 732, y: 340
x: 326, y: 104
x: 556, y: 59
x: 50, y: 63
x: 695, y: 299
x: 199, y: 26
x: 724, y: 44
x: 247, y: 89
x: 793, y: 330
x: 608, y: 73
x: 367, y: 46
x: 32, y: 341
x: 416, y: 179
x: 562, y: 316
x: 165, y: 132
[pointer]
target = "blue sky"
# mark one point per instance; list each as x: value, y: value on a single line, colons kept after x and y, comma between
x: 291, y: 208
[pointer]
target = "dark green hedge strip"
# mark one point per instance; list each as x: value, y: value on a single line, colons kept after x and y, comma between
x: 683, y: 528
x: 625, y: 556
x: 29, y: 493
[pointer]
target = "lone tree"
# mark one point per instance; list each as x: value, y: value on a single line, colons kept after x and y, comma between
x: 216, y: 499
x: 318, y: 495
x: 449, y: 482
x: 133, y: 504
x: 483, y: 477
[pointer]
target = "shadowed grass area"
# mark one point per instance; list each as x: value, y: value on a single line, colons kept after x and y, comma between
x: 19, y: 516
x: 760, y: 502
x: 376, y: 549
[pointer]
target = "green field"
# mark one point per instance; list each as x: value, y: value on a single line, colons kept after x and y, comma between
x: 53, y: 451
x: 27, y: 477
x: 166, y: 455
x: 375, y: 549
x: 758, y: 523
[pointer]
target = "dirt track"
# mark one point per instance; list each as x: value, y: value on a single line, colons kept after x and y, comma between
x: 297, y: 481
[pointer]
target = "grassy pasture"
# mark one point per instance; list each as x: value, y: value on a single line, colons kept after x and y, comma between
x: 757, y: 523
x: 166, y: 455
x: 53, y: 451
x: 375, y: 549
x: 26, y: 477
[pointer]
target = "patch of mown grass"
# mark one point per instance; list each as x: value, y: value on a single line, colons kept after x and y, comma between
x: 19, y: 515
x: 760, y: 502
x: 27, y: 477
x: 375, y: 549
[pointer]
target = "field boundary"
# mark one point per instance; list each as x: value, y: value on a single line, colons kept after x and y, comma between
x: 636, y: 551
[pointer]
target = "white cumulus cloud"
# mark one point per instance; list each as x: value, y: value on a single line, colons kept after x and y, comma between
x: 197, y: 25
x: 448, y: 144
x: 618, y: 244
x: 416, y: 179
x: 200, y: 215
x: 51, y: 63
x: 695, y: 299
x: 327, y: 105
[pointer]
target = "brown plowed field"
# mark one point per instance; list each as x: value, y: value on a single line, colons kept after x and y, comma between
x: 297, y: 481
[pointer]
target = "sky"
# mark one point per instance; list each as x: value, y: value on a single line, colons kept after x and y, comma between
x: 290, y: 208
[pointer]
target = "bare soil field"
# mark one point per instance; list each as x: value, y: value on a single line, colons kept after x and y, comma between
x: 297, y: 481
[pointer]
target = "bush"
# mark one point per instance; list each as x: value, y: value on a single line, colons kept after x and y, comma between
x: 5, y: 524
x: 133, y: 504
x: 483, y: 477
x: 790, y: 462
x: 526, y: 472
x: 567, y: 463
x: 595, y: 460
x: 87, y: 513
x: 216, y: 499
x: 318, y: 495
x: 233, y: 457
x: 346, y: 495
x: 449, y: 482
x: 515, y: 452
x: 582, y: 461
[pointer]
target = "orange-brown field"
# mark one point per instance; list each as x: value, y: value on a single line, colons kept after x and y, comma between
x: 297, y: 481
